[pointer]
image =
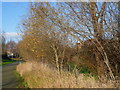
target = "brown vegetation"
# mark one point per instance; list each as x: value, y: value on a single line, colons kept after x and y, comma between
x: 51, y: 31
x: 39, y: 75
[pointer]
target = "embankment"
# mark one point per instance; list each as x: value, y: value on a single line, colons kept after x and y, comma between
x: 38, y: 75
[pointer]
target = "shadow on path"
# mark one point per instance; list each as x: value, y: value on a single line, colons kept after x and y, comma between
x: 9, y: 78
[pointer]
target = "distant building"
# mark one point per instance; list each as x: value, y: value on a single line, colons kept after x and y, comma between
x: 10, y: 54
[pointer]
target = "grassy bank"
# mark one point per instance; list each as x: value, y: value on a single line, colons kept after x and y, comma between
x: 38, y: 75
x: 6, y: 61
x: 22, y: 83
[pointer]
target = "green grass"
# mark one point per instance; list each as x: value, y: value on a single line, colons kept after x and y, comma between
x: 22, y: 83
x: 83, y: 70
x: 6, y: 61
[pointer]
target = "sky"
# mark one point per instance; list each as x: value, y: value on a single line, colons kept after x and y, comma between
x: 12, y: 15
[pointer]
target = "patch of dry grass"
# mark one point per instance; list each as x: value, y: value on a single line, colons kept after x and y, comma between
x: 38, y: 75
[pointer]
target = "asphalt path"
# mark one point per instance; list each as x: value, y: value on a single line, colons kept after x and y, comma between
x: 9, y: 78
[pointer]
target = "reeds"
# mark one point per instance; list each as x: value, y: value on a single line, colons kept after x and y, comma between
x: 39, y: 75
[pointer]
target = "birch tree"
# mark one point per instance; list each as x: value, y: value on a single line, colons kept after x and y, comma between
x: 86, y: 20
x: 83, y: 21
x: 41, y: 40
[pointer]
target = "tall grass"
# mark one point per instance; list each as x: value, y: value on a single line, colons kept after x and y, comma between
x: 39, y: 75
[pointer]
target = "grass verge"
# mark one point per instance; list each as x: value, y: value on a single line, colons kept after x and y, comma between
x: 22, y: 83
x: 6, y: 61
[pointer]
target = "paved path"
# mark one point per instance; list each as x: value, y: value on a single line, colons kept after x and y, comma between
x: 9, y: 79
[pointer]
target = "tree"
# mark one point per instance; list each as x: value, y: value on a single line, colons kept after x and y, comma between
x: 82, y: 21
x: 41, y: 40
x: 3, y: 43
x: 91, y: 20
x: 11, y: 48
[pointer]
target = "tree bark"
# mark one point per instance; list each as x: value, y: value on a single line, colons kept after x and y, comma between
x: 100, y: 66
x: 56, y: 58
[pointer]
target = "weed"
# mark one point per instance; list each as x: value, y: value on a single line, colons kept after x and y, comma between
x: 39, y: 75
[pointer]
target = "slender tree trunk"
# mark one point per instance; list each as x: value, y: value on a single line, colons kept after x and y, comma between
x: 105, y: 60
x: 56, y: 58
x: 61, y: 66
x: 101, y: 56
x: 100, y: 66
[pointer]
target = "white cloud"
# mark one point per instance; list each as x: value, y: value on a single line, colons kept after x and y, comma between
x: 12, y: 35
